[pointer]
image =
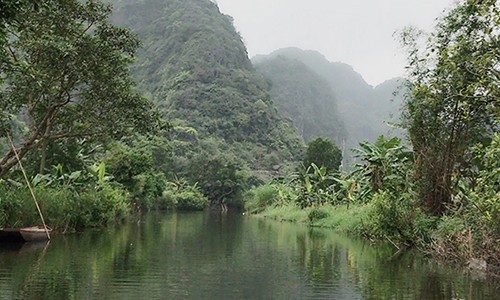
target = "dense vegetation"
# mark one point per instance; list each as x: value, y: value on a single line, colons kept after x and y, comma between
x: 65, y: 88
x: 70, y: 105
x: 226, y: 132
x: 96, y: 149
x: 443, y: 193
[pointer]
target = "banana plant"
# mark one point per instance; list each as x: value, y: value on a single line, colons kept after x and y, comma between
x: 385, y: 163
x: 316, y: 186
x: 98, y: 171
x: 347, y: 189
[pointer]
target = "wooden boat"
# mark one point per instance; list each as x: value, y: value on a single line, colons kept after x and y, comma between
x: 24, y: 234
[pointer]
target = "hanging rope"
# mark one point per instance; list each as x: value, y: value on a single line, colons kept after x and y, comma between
x: 29, y: 185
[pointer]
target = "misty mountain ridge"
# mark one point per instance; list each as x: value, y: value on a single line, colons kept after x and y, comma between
x: 304, y: 97
x: 316, y: 61
x: 365, y: 111
x: 194, y: 64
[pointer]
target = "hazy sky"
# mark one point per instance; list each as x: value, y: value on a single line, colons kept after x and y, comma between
x: 357, y: 32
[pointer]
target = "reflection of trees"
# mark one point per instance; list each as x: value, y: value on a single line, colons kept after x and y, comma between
x: 433, y: 288
x: 333, y: 262
x: 321, y: 260
x: 212, y: 256
x: 80, y: 265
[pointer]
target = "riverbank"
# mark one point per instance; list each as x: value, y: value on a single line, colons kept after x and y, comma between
x: 443, y: 238
x: 64, y: 209
x: 350, y: 220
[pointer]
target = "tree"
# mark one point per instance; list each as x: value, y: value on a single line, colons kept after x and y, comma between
x: 455, y: 97
x: 218, y: 178
x: 323, y: 153
x: 65, y: 75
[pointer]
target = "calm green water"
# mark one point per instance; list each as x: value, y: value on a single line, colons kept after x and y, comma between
x: 211, y: 256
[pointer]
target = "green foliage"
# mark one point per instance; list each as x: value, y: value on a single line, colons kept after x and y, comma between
x: 453, y: 238
x: 63, y: 209
x: 323, y: 153
x: 316, y: 186
x: 424, y: 226
x: 69, y: 201
x: 484, y: 193
x: 259, y: 198
x: 183, y: 196
x: 477, y: 203
x: 125, y: 162
x: 66, y: 74
x: 103, y: 206
x: 355, y: 219
x: 454, y: 101
x: 387, y: 166
x: 219, y: 179
x: 448, y: 227
x: 317, y: 213
x: 147, y: 189
x: 191, y: 199
x: 393, y: 216
x: 132, y: 165
x: 93, y: 175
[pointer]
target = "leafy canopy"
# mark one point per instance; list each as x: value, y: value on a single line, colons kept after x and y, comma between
x: 323, y: 153
x: 65, y: 75
x: 455, y: 97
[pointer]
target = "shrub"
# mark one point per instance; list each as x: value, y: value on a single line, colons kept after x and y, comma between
x: 147, y: 189
x: 168, y: 200
x: 424, y: 227
x: 452, y: 238
x: 191, y: 199
x: 17, y: 207
x: 63, y: 209
x: 484, y: 195
x: 449, y: 226
x: 260, y: 197
x: 393, y: 216
x: 317, y: 213
x: 183, y: 197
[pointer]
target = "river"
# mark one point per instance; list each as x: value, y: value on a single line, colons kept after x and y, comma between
x: 214, y: 256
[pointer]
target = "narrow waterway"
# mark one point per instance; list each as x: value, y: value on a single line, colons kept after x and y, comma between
x: 213, y: 256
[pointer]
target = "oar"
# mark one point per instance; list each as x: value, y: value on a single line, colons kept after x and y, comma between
x: 29, y: 186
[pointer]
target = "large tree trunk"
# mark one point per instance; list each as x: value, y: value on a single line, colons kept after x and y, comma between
x: 39, y: 135
x: 9, y: 160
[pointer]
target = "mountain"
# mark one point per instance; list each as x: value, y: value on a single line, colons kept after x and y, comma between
x: 304, y: 97
x: 195, y: 66
x: 365, y: 111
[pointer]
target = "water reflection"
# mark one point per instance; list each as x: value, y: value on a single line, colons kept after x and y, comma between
x: 213, y: 256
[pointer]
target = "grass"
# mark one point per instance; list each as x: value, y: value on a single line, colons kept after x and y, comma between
x: 354, y: 219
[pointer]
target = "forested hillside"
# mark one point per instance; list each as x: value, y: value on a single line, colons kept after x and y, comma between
x: 365, y: 111
x: 195, y: 66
